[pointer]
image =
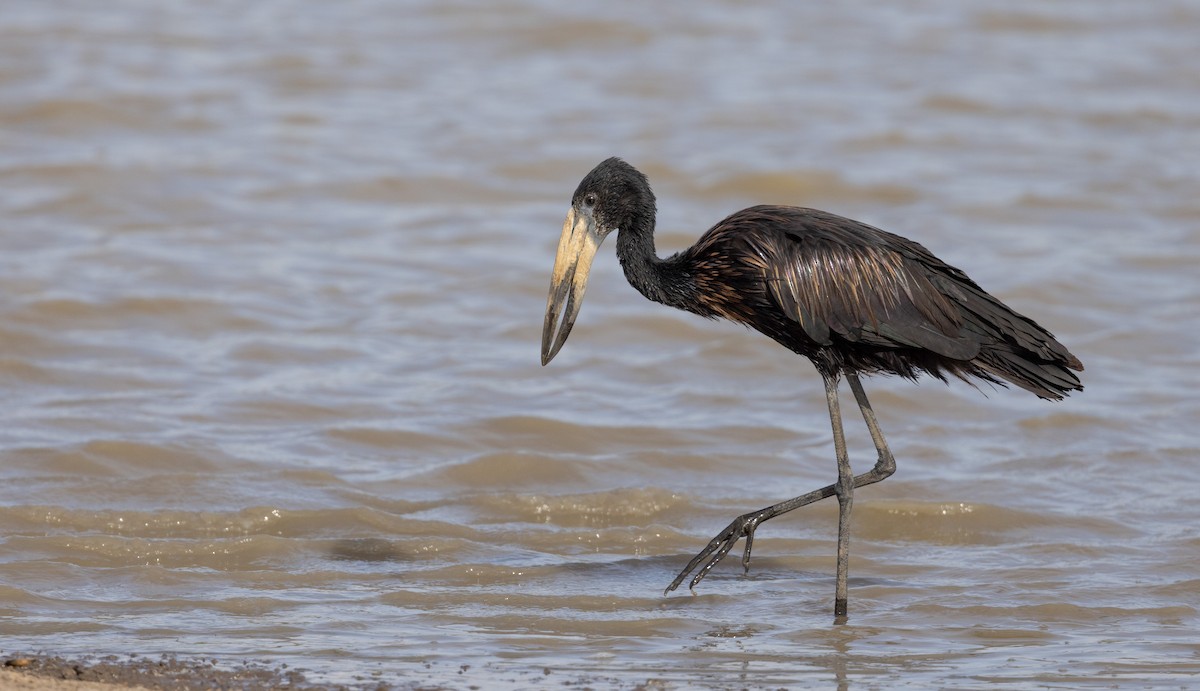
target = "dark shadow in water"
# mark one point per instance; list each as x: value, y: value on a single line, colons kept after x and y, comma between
x: 366, y: 549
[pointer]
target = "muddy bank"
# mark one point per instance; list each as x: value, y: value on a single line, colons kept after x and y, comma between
x: 168, y: 673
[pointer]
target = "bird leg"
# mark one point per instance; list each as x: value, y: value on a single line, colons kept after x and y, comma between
x: 885, y: 465
x: 844, y: 488
x: 746, y: 524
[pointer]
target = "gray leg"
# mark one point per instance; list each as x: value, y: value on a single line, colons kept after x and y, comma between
x: 745, y: 525
x: 844, y: 488
x: 885, y: 465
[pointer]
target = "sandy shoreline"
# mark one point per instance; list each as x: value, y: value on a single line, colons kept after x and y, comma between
x: 14, y: 679
x: 53, y: 673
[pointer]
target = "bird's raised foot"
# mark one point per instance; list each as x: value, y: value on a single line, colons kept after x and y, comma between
x: 719, y: 546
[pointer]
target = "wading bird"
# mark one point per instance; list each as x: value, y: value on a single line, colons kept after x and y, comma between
x: 851, y: 298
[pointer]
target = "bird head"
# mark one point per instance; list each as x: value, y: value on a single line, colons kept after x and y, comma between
x: 608, y: 199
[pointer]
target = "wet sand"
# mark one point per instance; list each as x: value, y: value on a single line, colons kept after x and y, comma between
x: 168, y: 673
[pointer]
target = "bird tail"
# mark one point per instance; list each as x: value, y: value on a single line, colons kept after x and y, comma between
x: 1016, y: 349
x: 1049, y: 379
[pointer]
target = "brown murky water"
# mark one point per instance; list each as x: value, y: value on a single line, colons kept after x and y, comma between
x: 271, y: 285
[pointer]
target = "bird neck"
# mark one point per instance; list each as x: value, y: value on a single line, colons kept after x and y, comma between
x: 657, y: 279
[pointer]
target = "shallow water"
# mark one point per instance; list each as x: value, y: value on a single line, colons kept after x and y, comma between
x: 271, y: 289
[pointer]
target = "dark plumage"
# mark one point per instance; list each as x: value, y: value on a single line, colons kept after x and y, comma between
x: 851, y: 298
x: 866, y: 301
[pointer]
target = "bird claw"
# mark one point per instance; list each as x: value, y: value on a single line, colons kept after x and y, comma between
x: 718, y: 547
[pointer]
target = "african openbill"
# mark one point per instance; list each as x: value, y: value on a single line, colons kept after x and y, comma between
x: 851, y: 298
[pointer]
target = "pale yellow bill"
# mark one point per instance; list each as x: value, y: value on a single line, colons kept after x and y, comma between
x: 576, y: 249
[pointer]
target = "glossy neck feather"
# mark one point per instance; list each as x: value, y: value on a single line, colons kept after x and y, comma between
x: 663, y: 281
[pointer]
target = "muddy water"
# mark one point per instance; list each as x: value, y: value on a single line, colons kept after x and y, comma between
x: 271, y: 288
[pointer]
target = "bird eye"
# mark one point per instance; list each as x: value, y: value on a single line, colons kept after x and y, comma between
x: 590, y: 200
